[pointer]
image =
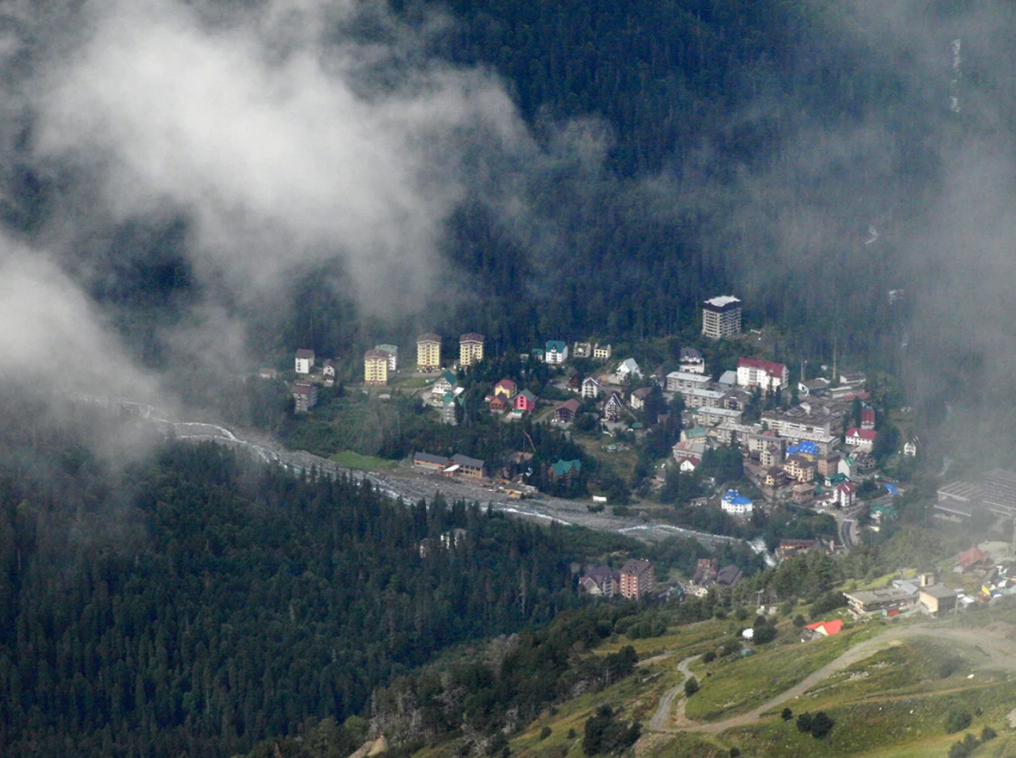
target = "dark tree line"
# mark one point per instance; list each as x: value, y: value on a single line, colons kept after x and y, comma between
x: 194, y: 602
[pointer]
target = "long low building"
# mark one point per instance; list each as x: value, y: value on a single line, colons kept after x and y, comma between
x: 867, y: 602
x: 994, y: 491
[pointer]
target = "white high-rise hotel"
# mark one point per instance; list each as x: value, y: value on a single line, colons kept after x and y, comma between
x: 721, y: 317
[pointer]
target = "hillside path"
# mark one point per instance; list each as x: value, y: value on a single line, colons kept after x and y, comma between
x: 1000, y: 650
x: 660, y: 722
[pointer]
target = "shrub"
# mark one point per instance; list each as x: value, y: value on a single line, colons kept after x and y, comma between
x: 709, y: 657
x: 821, y: 725
x: 720, y: 614
x: 948, y: 666
x: 571, y: 734
x: 964, y: 748
x: 799, y: 621
x: 830, y: 601
x: 734, y: 752
x: 741, y: 613
x: 545, y: 732
x: 787, y: 714
x: 804, y: 723
x: 957, y: 721
x: 691, y: 686
x: 988, y: 734
x: 764, y: 634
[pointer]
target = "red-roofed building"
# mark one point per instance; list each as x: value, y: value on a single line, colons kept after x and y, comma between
x: 972, y: 558
x: 863, y: 439
x: 867, y: 418
x: 754, y: 372
x: 827, y: 628
x: 845, y: 493
x: 507, y: 388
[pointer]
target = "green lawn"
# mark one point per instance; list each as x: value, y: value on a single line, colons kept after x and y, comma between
x: 349, y: 459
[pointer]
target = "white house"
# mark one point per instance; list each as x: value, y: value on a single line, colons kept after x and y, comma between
x: 767, y: 375
x: 845, y: 493
x: 691, y: 361
x: 628, y: 369
x: 556, y: 352
x: 590, y: 387
x: 304, y: 361
x: 689, y: 464
x: 736, y: 504
x: 862, y: 439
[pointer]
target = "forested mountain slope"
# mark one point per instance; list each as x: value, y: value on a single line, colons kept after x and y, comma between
x: 193, y: 602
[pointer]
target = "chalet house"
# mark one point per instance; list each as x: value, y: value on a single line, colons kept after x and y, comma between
x: 706, y: 570
x: 591, y: 387
x: 802, y: 493
x: 566, y: 411
x: 431, y: 462
x: 729, y: 576
x: 304, y: 361
x: 328, y: 372
x: 863, y: 439
x: 564, y: 470
x: 448, y: 410
x: 444, y: 383
x: 637, y: 578
x: 463, y: 465
x: 470, y: 349
x: 601, y: 581
x: 602, y: 352
x: 865, y: 462
x: 525, y: 402
x: 691, y: 361
x: 305, y: 396
x: 499, y: 404
x: 688, y: 464
x: 867, y: 418
x: 628, y: 369
x: 555, y: 352
x: 575, y: 381
x: 507, y: 389
x: 614, y: 408
x: 845, y: 494
x: 375, y: 367
x: 910, y: 447
x: 392, y: 352
x: 972, y: 559
x: 428, y: 352
x: 767, y: 375
x: 582, y: 350
x: 638, y: 397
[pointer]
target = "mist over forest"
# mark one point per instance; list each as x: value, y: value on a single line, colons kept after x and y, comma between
x: 193, y: 189
x: 213, y: 183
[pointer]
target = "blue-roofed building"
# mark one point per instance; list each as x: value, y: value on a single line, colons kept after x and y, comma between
x: 804, y: 447
x: 562, y: 469
x: 556, y: 352
x: 893, y: 490
x: 736, y: 504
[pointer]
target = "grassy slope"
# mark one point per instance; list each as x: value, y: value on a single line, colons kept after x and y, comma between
x: 892, y: 704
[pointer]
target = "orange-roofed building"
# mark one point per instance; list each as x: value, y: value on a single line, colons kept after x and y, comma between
x: 827, y: 628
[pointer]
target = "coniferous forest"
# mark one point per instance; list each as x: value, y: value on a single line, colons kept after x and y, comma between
x: 193, y: 602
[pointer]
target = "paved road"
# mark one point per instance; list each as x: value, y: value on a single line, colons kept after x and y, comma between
x: 1000, y: 650
x: 411, y: 487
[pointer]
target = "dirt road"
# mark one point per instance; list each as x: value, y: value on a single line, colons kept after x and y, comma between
x: 1001, y: 652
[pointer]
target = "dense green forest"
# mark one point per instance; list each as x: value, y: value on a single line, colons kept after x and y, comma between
x: 191, y: 601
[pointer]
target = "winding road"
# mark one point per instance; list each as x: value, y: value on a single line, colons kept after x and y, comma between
x: 412, y: 487
x: 1000, y: 650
